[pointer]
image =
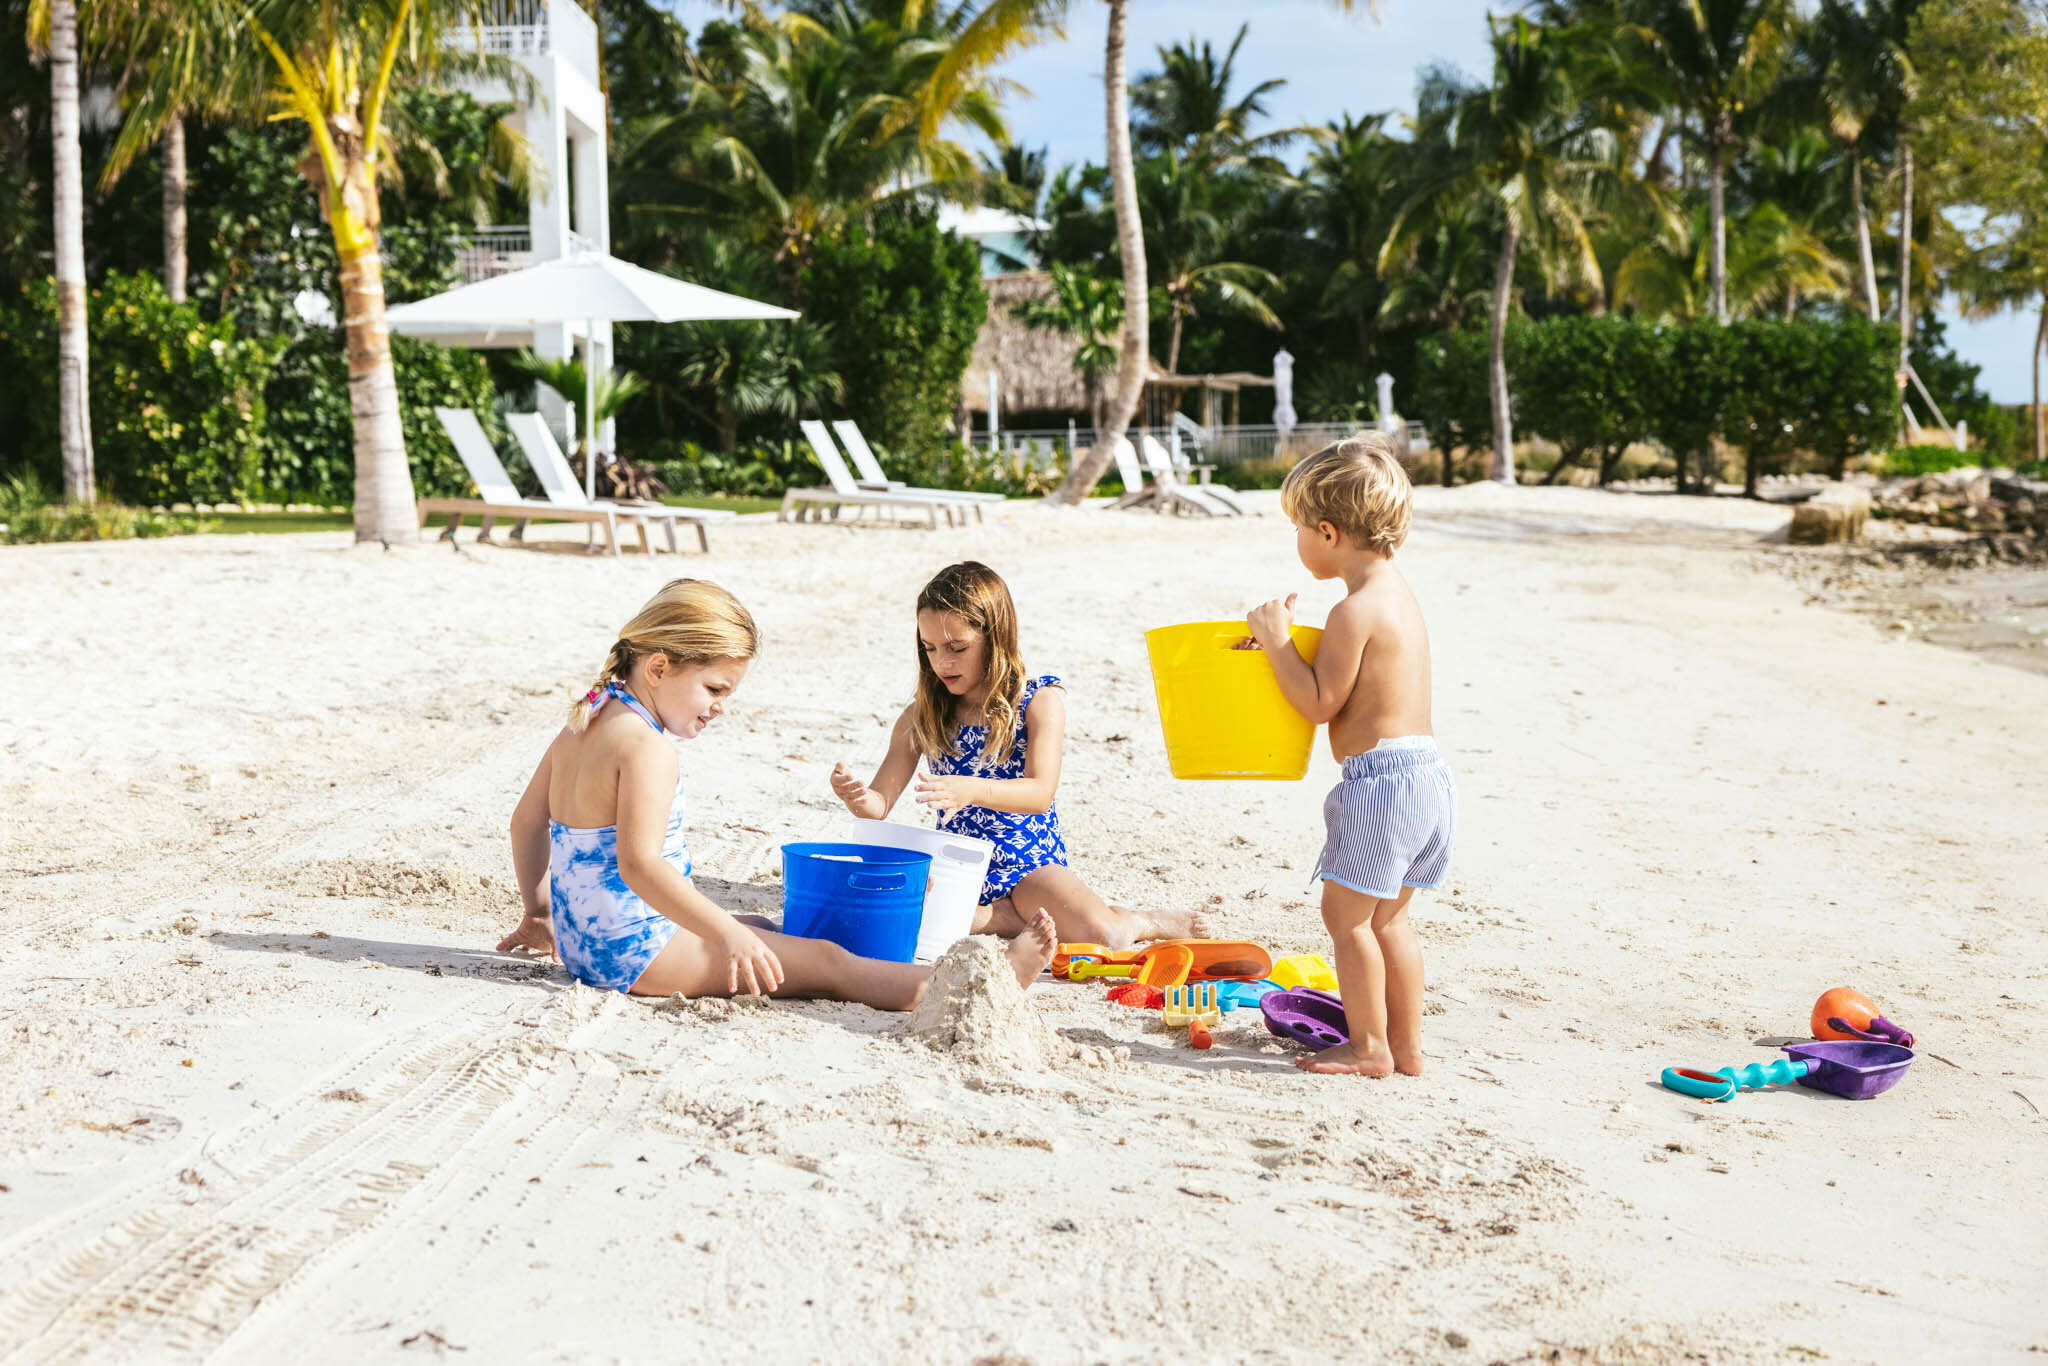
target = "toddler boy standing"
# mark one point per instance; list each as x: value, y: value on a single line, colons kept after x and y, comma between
x: 1392, y: 818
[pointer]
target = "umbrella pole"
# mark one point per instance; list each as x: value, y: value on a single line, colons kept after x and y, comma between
x: 590, y: 409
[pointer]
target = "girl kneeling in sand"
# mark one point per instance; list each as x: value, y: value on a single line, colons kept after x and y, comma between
x: 597, y: 838
x: 991, y: 737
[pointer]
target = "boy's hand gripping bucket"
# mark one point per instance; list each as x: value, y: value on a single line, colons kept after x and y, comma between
x: 1220, y: 707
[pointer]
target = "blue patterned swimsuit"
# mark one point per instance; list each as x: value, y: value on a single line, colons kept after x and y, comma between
x: 605, y: 934
x: 1023, y: 843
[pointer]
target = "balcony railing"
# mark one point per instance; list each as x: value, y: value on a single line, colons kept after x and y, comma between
x: 534, y: 28
x: 500, y: 251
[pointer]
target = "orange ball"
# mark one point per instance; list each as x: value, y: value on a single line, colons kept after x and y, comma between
x: 1846, y: 1004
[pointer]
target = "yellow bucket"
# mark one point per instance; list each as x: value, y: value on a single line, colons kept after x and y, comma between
x: 1220, y: 707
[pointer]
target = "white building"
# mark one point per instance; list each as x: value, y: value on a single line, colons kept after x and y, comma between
x: 563, y: 120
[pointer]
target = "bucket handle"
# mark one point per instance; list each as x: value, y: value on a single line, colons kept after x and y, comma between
x: 877, y: 882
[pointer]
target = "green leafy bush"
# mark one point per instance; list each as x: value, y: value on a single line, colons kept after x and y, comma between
x: 1585, y: 383
x: 1911, y: 461
x: 309, y: 452
x: 28, y: 516
x: 904, y: 306
x: 1020, y: 474
x: 178, y: 408
x: 1452, y: 393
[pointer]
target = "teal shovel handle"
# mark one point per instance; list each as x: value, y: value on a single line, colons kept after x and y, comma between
x: 1725, y: 1082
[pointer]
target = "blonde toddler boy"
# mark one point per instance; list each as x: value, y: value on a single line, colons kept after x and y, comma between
x: 1391, y: 820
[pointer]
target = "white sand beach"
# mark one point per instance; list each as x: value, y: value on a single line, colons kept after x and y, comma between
x: 270, y: 1095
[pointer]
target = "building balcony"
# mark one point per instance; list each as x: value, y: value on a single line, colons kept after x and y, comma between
x: 501, y: 250
x: 534, y: 28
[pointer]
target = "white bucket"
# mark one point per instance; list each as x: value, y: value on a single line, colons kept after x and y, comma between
x: 959, y: 867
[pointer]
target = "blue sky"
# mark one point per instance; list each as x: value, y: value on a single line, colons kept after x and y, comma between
x: 1334, y: 64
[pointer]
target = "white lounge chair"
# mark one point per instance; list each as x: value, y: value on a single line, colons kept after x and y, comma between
x: 846, y: 492
x: 1169, y: 495
x: 1159, y: 464
x: 499, y: 497
x: 560, y: 484
x: 869, y: 475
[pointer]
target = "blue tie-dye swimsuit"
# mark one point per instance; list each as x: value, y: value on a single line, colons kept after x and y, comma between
x: 605, y: 934
x: 1023, y: 842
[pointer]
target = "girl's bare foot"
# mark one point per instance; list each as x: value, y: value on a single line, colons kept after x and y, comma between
x: 1169, y: 924
x: 1031, y: 950
x: 1349, y: 1060
x: 1408, y: 1062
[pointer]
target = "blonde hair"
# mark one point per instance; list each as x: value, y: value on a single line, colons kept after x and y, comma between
x: 1358, y: 486
x: 691, y: 621
x: 978, y: 596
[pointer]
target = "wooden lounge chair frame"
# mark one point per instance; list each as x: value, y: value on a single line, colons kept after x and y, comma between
x: 1158, y: 462
x: 1168, y: 496
x: 868, y: 473
x: 813, y: 503
x: 558, y: 481
x: 499, y: 497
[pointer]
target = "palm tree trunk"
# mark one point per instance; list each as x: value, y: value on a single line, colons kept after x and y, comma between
x: 1173, y: 345
x: 1905, y: 251
x: 2040, y: 431
x: 1717, y: 214
x: 1130, y: 239
x: 172, y: 147
x: 1497, y: 367
x: 1863, y: 233
x: 384, y: 508
x: 74, y: 413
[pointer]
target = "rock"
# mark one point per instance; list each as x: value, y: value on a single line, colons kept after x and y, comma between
x: 1836, y: 513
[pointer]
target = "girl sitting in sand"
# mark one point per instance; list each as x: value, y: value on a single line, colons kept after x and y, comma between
x: 991, y: 737
x: 597, y: 838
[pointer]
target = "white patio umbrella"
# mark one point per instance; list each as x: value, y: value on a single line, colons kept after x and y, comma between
x: 587, y: 289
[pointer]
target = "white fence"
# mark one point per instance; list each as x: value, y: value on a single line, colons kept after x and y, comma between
x: 1223, y: 446
x: 502, y: 250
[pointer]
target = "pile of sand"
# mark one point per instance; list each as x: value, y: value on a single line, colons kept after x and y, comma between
x: 974, y: 1010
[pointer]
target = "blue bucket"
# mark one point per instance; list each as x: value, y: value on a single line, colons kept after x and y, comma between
x: 866, y: 898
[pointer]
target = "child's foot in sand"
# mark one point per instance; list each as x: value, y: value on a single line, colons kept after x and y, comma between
x: 1349, y: 1060
x: 1408, y: 1062
x: 1169, y: 924
x: 1031, y: 951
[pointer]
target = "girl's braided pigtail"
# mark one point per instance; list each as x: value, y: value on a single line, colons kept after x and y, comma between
x: 616, y: 666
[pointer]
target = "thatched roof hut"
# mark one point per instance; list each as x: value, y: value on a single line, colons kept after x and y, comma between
x: 1034, y: 366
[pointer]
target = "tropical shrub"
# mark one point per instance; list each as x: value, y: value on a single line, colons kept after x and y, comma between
x: 1694, y: 387
x: 178, y: 404
x: 1912, y: 461
x: 905, y: 305
x: 1015, y: 474
x: 1584, y: 383
x: 29, y: 515
x: 1855, y: 393
x: 309, y: 452
x: 1452, y: 397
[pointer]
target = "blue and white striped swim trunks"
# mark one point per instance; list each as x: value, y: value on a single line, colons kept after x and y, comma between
x: 1391, y: 820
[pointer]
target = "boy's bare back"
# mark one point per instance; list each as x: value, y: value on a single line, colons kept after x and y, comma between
x: 1391, y: 697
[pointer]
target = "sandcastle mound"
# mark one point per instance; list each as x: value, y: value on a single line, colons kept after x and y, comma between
x: 974, y: 1010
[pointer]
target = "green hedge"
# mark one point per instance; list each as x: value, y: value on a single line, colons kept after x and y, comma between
x: 187, y: 411
x: 178, y: 404
x: 1595, y: 385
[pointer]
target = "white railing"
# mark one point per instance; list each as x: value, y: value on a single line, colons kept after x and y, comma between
x: 534, y: 28
x: 1223, y: 445
x: 502, y: 250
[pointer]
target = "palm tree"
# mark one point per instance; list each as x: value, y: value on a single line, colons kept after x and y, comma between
x: 165, y: 78
x: 613, y: 390
x: 748, y: 370
x: 1713, y: 60
x: 1185, y: 107
x: 1521, y: 153
x: 1857, y: 76
x: 1088, y: 309
x: 797, y: 125
x: 334, y: 68
x: 1770, y: 258
x: 1130, y: 240
x: 53, y: 27
x: 1354, y: 181
x: 1183, y: 235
